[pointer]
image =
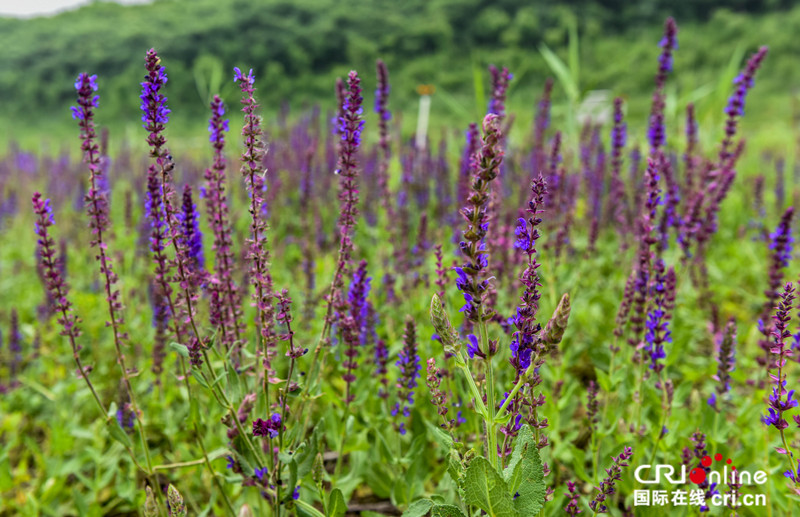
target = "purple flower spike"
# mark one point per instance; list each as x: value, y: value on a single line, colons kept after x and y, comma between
x: 656, y: 133
x: 470, y: 275
x: 155, y: 113
x: 607, y: 486
x: 192, y: 237
x: 409, y: 363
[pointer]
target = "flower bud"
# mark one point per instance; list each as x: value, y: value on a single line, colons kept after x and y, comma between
x: 150, y: 504
x: 176, y: 506
x: 554, y: 330
x: 445, y: 330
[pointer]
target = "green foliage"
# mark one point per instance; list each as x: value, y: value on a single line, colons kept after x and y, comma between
x: 297, y: 48
x: 486, y: 489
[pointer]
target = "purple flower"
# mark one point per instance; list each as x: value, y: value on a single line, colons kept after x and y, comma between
x: 607, y: 486
x: 500, y: 81
x: 735, y: 107
x: 409, y: 363
x: 657, y: 326
x: 656, y: 133
x: 473, y: 348
x: 155, y: 113
x: 726, y: 359
x: 84, y: 85
x: 271, y: 427
x: 296, y: 493
x: 192, y: 236
x: 780, y: 333
x: 573, y: 495
x: 261, y: 473
x: 470, y: 275
x: 794, y: 475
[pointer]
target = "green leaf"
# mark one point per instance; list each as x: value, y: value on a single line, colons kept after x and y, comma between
x: 531, y: 489
x: 234, y: 384
x: 486, y: 489
x: 181, y: 349
x: 117, y: 433
x: 418, y: 508
x: 336, y: 505
x: 603, y: 380
x: 446, y: 510
x: 454, y: 466
x: 513, y: 472
x: 562, y: 72
x: 440, y: 436
x: 304, y: 456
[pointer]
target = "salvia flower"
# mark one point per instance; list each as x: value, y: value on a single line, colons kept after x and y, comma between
x: 573, y: 495
x: 155, y: 113
x: 726, y: 363
x: 780, y: 334
x: 470, y: 279
x: 607, y: 486
x: 735, y: 107
x: 271, y: 427
x: 175, y: 504
x: 192, y: 236
x: 500, y: 81
x: 658, y: 331
x: 253, y: 174
x: 384, y: 116
x: 409, y: 363
x: 780, y: 244
x: 226, y: 311
x: 524, y: 320
x: 656, y: 133
x: 54, y: 281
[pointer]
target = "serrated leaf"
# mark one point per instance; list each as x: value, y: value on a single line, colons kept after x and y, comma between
x: 531, y: 489
x: 513, y: 472
x: 336, y: 505
x: 454, y: 466
x: 418, y: 508
x: 446, y: 510
x: 486, y: 489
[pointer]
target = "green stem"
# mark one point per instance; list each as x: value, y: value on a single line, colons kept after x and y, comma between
x: 491, y: 424
x: 510, y: 397
x: 213, y: 474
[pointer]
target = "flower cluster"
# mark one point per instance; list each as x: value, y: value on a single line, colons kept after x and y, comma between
x: 780, y: 334
x: 527, y: 232
x: 607, y: 486
x: 470, y: 279
x: 500, y: 81
x: 735, y: 107
x: 191, y: 235
x: 726, y: 359
x: 226, y: 311
x: 154, y: 104
x: 271, y: 427
x: 669, y: 43
x: 258, y: 255
x: 408, y: 362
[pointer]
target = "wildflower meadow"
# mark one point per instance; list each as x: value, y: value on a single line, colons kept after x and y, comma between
x: 321, y: 314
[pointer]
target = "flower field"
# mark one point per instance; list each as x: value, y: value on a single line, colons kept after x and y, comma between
x: 323, y: 316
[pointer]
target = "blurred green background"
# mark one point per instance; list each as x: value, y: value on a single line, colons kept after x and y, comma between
x: 297, y: 49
